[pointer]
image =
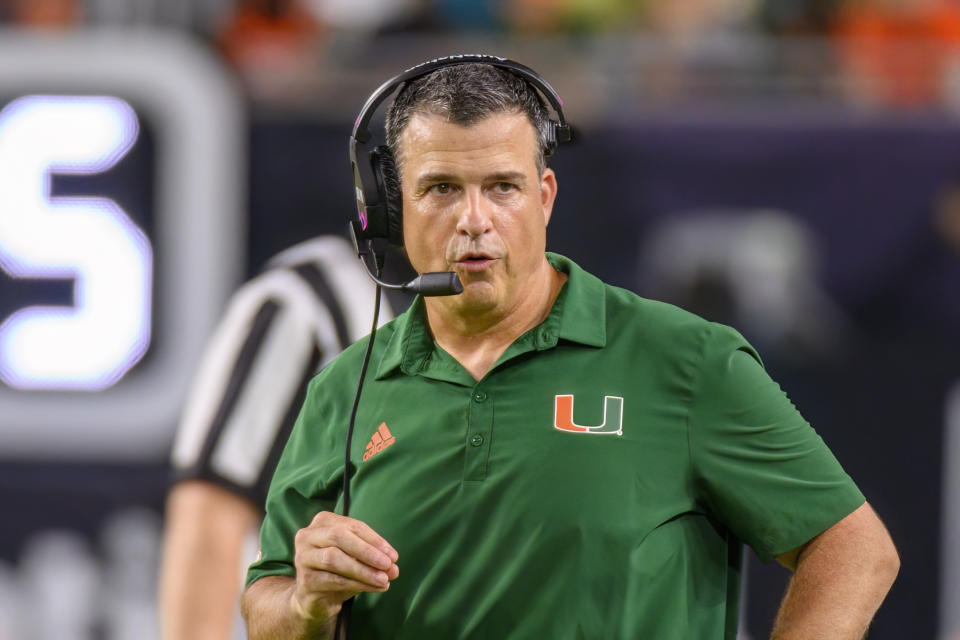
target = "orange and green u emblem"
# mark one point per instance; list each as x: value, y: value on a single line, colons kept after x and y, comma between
x: 612, y: 416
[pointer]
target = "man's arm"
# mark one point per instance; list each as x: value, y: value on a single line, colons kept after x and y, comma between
x: 335, y: 558
x: 841, y: 577
x: 269, y: 609
x: 206, y: 526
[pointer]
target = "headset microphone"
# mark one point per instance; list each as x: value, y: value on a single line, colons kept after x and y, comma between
x: 434, y: 283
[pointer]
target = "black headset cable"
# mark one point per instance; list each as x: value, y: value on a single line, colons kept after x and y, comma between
x: 340, y: 632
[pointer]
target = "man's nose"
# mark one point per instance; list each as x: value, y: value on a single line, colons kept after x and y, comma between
x: 476, y: 216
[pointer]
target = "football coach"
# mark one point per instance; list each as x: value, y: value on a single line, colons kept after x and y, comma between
x: 546, y: 455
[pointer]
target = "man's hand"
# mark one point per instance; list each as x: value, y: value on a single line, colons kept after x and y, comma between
x: 336, y: 558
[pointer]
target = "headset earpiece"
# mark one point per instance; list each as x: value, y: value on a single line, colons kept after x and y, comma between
x: 551, y: 136
x: 388, y: 186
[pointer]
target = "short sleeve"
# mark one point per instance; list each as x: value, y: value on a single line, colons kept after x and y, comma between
x: 758, y: 466
x: 298, y: 490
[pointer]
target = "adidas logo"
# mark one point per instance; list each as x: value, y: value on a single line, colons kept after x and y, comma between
x: 380, y: 440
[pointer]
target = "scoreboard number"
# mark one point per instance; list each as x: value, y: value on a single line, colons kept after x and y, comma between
x: 104, y: 376
x: 89, y: 239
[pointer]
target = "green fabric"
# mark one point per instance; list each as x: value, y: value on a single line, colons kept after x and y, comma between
x: 507, y: 526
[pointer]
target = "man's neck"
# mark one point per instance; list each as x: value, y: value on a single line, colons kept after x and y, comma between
x: 477, y: 342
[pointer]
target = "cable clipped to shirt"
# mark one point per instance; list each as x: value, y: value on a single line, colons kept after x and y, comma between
x: 356, y: 399
x: 340, y: 633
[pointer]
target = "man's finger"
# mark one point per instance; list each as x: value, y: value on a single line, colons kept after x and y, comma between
x: 327, y: 519
x: 336, y: 562
x: 357, y: 540
x: 336, y: 586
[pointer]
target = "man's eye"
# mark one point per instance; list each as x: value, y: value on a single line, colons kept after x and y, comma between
x: 442, y: 188
x: 504, y: 187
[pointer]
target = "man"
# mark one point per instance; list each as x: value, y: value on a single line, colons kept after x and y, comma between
x: 515, y: 512
x: 279, y: 329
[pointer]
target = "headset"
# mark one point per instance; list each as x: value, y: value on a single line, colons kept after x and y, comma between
x: 379, y: 220
x: 375, y: 177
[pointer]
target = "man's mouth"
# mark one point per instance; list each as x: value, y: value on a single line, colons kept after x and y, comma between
x: 474, y: 262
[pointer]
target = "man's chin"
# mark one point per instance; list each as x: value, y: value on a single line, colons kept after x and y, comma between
x: 477, y: 298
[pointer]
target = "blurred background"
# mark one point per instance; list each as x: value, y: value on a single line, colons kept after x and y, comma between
x: 791, y: 167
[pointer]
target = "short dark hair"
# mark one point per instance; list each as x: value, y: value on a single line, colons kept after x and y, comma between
x: 465, y: 94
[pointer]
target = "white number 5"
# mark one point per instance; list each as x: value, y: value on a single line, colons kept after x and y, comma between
x: 90, y: 240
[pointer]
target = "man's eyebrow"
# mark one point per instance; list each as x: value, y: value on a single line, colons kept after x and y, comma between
x: 506, y: 176
x: 434, y: 177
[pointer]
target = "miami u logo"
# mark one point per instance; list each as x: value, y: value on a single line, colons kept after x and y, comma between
x: 612, y: 416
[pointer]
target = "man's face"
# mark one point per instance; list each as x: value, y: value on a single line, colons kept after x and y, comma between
x: 473, y: 203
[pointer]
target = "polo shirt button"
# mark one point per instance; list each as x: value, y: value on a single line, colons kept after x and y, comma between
x: 480, y: 396
x: 476, y: 440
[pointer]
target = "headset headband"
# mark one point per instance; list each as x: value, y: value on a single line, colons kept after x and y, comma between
x: 362, y: 134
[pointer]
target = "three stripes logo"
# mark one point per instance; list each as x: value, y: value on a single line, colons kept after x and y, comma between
x: 380, y: 440
x: 612, y: 416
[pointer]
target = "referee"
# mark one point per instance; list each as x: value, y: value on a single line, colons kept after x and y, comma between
x: 280, y: 328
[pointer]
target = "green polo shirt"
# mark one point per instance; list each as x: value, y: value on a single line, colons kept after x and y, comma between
x: 596, y: 483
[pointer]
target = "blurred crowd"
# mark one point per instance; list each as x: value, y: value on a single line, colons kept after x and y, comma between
x: 895, y: 52
x: 913, y: 18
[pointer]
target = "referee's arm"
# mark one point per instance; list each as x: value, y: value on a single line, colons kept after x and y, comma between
x: 204, y: 533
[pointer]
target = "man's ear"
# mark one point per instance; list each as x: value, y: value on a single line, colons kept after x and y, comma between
x: 548, y: 193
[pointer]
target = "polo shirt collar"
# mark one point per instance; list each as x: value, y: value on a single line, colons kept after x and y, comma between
x: 578, y: 315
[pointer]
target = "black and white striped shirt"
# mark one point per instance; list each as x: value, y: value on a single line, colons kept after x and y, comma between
x: 279, y: 329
